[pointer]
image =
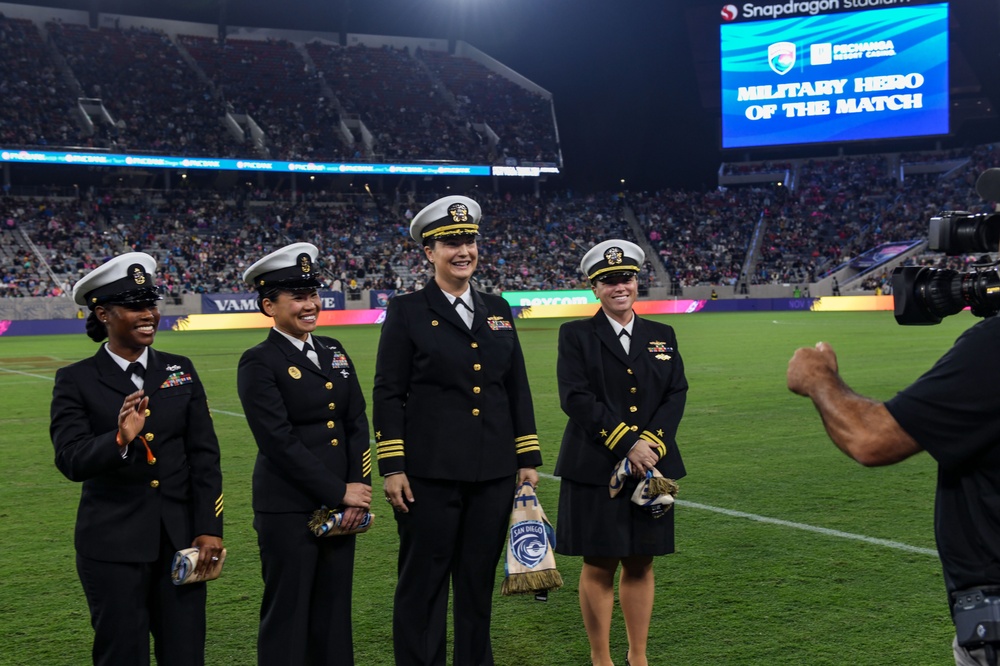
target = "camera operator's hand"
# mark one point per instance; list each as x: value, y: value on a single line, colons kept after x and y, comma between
x: 811, y: 365
x: 860, y: 427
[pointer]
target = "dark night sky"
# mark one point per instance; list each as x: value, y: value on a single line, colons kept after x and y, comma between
x: 622, y: 72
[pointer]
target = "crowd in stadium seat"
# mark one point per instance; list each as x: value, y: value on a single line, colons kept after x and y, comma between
x: 701, y: 237
x: 521, y: 119
x: 844, y: 207
x: 38, y: 103
x: 396, y: 98
x: 203, y: 244
x: 154, y: 101
x: 204, y: 240
x: 170, y: 96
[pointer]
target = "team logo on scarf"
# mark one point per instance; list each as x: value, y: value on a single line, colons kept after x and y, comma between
x: 527, y: 542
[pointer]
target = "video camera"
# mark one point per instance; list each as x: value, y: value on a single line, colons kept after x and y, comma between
x: 924, y: 295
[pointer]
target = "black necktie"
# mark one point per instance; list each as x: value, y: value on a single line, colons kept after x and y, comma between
x: 468, y: 319
x: 626, y: 339
x: 135, y: 368
x: 311, y: 354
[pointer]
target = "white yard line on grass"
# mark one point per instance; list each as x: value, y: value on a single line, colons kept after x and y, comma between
x: 760, y: 519
x: 799, y: 526
x: 693, y: 505
x: 26, y: 374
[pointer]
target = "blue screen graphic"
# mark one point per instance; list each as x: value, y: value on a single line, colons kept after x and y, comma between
x: 872, y: 74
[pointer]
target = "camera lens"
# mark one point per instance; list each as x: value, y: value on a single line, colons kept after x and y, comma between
x: 926, y: 295
x: 958, y: 232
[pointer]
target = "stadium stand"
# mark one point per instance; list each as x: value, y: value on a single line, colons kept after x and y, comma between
x: 773, y: 224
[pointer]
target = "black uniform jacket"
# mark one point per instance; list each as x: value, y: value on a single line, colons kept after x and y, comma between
x: 613, y: 399
x: 450, y: 402
x: 124, y: 501
x: 309, y: 423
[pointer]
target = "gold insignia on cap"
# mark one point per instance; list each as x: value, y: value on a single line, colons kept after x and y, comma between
x: 459, y: 212
x: 295, y: 372
x: 614, y: 256
x: 304, y: 263
x: 138, y: 275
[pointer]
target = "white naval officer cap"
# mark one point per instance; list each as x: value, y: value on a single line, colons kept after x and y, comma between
x: 612, y: 257
x: 448, y: 216
x: 291, y: 267
x: 127, y: 279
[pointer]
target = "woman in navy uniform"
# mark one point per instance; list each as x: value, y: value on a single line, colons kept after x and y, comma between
x: 454, y: 427
x: 302, y: 399
x: 622, y: 384
x: 132, y: 423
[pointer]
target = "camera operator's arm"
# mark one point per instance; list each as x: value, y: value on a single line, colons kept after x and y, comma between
x: 860, y: 427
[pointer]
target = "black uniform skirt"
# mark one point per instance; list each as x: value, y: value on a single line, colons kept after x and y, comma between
x: 593, y: 524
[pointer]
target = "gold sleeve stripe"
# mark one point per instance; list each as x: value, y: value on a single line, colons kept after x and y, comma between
x: 526, y: 444
x: 652, y: 438
x: 218, y: 506
x: 366, y: 462
x: 391, y: 454
x: 661, y: 448
x: 616, y: 436
x: 525, y: 447
x: 390, y: 448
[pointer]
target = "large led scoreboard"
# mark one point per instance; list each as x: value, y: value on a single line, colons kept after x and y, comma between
x: 823, y: 71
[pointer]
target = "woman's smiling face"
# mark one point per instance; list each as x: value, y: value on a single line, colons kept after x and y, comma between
x: 295, y: 312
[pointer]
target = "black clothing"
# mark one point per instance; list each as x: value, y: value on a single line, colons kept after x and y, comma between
x: 953, y: 412
x: 612, y: 399
x: 312, y: 440
x: 136, y: 512
x: 452, y: 409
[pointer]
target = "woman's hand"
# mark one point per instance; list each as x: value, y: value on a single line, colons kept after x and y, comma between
x: 352, y: 517
x: 397, y: 492
x: 358, y: 495
x: 529, y: 474
x: 132, y: 417
x: 209, y: 553
x: 643, y: 457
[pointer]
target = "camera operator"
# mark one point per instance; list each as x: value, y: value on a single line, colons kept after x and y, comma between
x: 952, y: 412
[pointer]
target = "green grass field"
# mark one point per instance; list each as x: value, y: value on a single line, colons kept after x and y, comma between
x: 788, y: 552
